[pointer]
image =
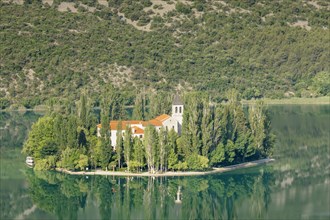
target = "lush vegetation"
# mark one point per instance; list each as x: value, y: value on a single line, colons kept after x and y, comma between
x: 199, y: 45
x: 211, y: 136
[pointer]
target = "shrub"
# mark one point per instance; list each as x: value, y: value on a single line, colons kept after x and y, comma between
x: 183, y: 8
x: 4, y: 103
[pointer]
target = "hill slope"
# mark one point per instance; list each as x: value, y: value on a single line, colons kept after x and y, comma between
x: 261, y: 48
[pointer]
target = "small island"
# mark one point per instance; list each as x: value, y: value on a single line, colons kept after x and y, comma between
x: 189, y: 137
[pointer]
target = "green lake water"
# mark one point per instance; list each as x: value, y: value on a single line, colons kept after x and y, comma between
x: 295, y: 186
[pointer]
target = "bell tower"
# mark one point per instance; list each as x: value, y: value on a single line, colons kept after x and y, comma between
x: 177, y: 111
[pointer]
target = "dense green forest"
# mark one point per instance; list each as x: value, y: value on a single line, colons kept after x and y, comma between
x: 212, y: 135
x: 260, y: 48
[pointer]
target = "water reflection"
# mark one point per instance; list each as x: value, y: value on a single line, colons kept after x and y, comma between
x: 14, y: 127
x: 150, y: 198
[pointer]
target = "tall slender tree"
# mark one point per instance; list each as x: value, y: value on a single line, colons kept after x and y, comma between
x: 138, y: 152
x: 191, y: 125
x: 151, y: 147
x: 119, y: 144
x: 138, y: 111
x: 83, y: 112
x: 128, y: 146
x: 207, y: 128
x: 172, y: 158
x: 71, y: 130
x: 163, y: 148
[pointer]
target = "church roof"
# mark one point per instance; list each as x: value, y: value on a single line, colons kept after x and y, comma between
x: 162, y: 117
x: 177, y: 100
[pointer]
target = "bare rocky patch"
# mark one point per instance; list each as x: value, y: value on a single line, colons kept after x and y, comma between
x: 103, y: 2
x: 302, y: 24
x: 317, y: 5
x: 49, y: 2
x: 19, y: 2
x: 67, y: 6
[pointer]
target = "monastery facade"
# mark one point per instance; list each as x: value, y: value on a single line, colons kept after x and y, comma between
x: 138, y: 126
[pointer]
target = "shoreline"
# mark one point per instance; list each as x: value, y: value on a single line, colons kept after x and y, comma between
x: 171, y: 173
x: 323, y: 100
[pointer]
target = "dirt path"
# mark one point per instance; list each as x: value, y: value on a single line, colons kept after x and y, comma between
x: 178, y: 173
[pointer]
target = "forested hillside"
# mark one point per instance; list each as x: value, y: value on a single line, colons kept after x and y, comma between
x: 53, y: 49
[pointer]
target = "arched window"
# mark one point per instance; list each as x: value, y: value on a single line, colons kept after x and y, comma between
x: 180, y: 110
x: 176, y: 109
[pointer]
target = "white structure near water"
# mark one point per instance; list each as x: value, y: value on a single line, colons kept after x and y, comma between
x: 138, y: 126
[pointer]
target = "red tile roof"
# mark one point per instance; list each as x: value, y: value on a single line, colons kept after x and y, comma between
x: 162, y: 117
x: 137, y: 130
x: 155, y: 122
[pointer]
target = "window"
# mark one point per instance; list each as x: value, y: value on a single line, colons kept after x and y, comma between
x: 176, y: 109
x: 173, y: 127
x: 180, y: 110
x: 140, y: 135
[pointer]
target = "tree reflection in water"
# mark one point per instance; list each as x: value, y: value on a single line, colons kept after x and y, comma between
x: 217, y: 196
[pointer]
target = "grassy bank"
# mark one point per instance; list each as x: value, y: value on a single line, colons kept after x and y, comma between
x: 325, y: 100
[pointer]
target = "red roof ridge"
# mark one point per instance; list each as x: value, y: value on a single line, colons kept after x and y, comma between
x: 162, y: 117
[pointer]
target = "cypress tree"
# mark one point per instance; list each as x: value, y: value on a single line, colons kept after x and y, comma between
x: 262, y: 139
x: 207, y: 128
x: 191, y: 125
x: 217, y: 151
x: 172, y: 158
x: 160, y: 103
x: 104, y: 119
x: 71, y: 131
x: 138, y: 111
x: 83, y: 110
x: 128, y: 145
x: 105, y: 154
x: 119, y: 143
x: 138, y: 150
x: 163, y: 148
x: 150, y: 145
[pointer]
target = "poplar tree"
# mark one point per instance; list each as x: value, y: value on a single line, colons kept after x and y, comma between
x: 71, y: 131
x: 105, y: 121
x: 163, y: 148
x: 172, y: 158
x: 217, y: 151
x: 114, y: 102
x: 191, y: 125
x: 105, y: 146
x: 160, y: 103
x: 262, y: 139
x: 60, y: 131
x: 105, y: 154
x: 150, y: 145
x: 128, y: 145
x: 138, y: 111
x: 119, y: 143
x: 138, y: 152
x: 207, y: 128
x: 242, y: 134
x: 83, y: 115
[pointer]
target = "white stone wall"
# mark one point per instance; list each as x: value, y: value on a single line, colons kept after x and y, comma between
x: 170, y: 124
